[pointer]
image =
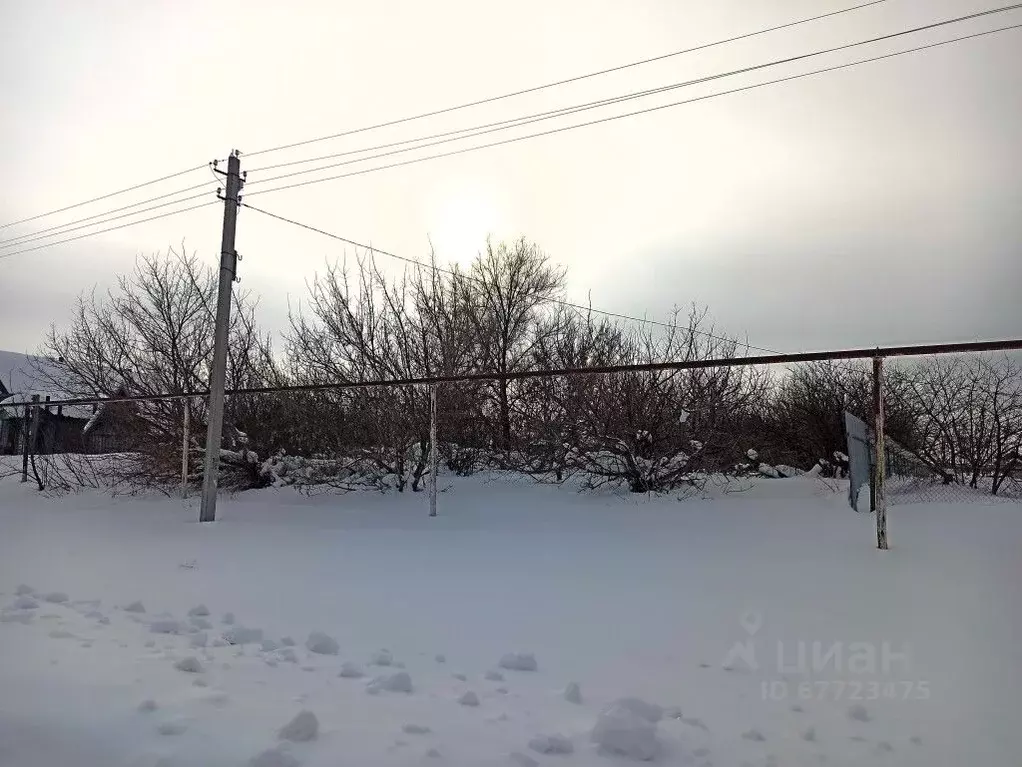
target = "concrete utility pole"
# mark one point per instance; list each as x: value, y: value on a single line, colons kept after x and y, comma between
x: 218, y: 376
x: 880, y: 464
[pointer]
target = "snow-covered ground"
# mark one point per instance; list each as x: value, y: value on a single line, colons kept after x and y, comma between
x: 764, y: 623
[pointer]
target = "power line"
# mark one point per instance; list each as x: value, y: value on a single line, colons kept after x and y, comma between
x: 31, y: 236
x: 916, y: 350
x: 527, y: 119
x: 577, y: 78
x: 104, y: 196
x: 110, y: 229
x: 631, y: 114
x: 106, y: 221
x: 568, y: 304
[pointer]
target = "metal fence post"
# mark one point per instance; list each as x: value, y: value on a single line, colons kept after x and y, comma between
x: 432, y: 450
x: 26, y: 429
x: 184, y: 448
x: 880, y: 468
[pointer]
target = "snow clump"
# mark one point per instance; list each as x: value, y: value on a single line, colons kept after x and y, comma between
x: 322, y: 644
x: 523, y: 760
x: 304, y: 727
x: 519, y: 661
x: 165, y: 626
x: 551, y: 744
x: 573, y: 693
x: 398, y: 682
x: 273, y: 757
x: 351, y: 670
x: 627, y: 727
x: 239, y: 635
x: 189, y: 665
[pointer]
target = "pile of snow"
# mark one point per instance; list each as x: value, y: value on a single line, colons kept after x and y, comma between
x: 628, y: 727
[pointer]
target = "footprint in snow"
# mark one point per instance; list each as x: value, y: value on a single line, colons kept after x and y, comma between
x: 753, y: 735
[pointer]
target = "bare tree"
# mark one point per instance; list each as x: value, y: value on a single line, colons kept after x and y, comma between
x: 970, y: 416
x: 509, y: 283
x: 152, y: 334
x: 362, y: 327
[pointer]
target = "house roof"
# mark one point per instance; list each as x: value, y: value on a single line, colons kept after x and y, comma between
x: 22, y: 375
x: 20, y: 372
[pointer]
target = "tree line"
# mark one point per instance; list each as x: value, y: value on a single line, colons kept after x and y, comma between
x: 649, y: 431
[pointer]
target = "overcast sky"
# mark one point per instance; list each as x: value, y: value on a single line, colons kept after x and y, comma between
x: 879, y: 204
